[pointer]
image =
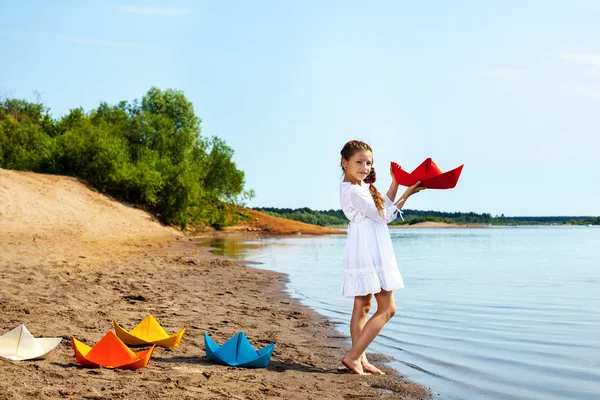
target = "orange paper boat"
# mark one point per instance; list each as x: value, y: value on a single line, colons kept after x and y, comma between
x: 430, y: 175
x: 148, y: 332
x: 110, y: 352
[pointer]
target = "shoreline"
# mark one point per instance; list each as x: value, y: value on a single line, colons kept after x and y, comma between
x: 73, y: 261
x: 393, y: 385
x: 380, y: 359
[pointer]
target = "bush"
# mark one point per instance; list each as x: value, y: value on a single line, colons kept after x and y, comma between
x: 149, y: 153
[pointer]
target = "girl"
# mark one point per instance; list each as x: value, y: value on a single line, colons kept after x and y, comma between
x: 369, y: 262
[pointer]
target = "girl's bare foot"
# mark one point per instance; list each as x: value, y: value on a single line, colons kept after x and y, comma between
x: 368, y: 367
x: 353, y: 365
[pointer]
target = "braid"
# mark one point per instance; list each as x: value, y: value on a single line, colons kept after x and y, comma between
x: 348, y: 151
x: 370, y: 179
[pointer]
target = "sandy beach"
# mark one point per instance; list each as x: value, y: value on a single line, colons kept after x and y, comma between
x: 72, y: 261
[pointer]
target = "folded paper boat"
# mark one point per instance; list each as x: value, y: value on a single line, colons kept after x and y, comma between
x: 238, y: 352
x: 110, y: 352
x: 148, y: 332
x: 430, y: 175
x: 20, y: 345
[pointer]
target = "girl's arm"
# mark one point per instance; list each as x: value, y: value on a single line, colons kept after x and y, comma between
x: 407, y: 193
x: 392, y: 191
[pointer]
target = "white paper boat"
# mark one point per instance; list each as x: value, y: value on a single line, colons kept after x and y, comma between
x: 19, y: 345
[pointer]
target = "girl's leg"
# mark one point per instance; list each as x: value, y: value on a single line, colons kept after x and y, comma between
x: 362, y: 305
x: 386, y: 308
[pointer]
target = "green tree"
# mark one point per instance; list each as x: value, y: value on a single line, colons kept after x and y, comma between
x: 150, y: 153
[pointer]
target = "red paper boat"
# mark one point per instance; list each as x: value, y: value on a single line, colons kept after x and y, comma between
x: 430, y: 175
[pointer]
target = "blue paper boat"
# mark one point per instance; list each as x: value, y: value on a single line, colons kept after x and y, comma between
x: 238, y: 352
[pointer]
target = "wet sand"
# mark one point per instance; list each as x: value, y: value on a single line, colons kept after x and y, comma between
x: 73, y: 260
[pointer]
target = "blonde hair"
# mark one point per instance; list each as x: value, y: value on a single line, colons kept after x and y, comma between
x: 350, y: 149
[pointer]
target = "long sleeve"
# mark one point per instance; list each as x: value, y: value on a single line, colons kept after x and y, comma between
x: 357, y: 204
x: 391, y: 210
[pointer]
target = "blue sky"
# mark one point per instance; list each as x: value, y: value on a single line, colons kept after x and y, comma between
x: 511, y: 89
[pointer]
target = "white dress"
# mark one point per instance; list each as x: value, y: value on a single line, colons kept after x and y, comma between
x: 369, y: 260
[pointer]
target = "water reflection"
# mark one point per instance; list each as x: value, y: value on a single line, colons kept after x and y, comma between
x: 234, y: 247
x: 239, y: 247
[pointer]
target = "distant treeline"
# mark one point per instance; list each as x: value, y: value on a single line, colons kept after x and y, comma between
x: 547, y: 220
x: 337, y: 217
x: 149, y: 153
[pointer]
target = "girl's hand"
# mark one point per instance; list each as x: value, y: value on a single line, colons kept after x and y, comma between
x: 392, y: 171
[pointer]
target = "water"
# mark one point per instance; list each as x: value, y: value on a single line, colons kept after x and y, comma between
x: 499, y: 313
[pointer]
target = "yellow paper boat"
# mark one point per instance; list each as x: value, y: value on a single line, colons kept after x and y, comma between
x: 148, y: 332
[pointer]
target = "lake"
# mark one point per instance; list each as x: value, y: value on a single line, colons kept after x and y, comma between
x: 492, y: 313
